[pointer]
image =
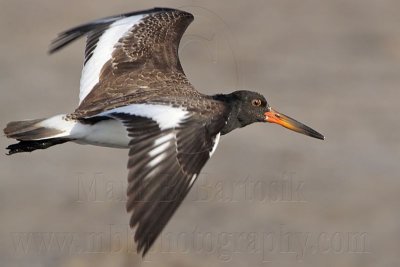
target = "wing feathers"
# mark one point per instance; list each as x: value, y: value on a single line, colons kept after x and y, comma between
x: 68, y: 36
x: 129, y: 59
x: 129, y: 44
x: 163, y: 164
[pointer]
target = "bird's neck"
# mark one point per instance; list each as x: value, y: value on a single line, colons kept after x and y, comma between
x: 233, y: 108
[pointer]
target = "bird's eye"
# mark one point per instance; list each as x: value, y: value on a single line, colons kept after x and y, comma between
x: 256, y: 102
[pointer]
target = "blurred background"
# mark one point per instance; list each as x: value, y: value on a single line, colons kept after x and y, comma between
x: 268, y: 197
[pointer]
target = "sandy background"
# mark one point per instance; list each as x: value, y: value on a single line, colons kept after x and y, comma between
x: 269, y: 197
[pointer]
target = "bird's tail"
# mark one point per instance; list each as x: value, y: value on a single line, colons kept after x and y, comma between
x: 39, y: 133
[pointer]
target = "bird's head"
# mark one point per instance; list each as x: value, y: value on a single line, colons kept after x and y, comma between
x: 252, y: 107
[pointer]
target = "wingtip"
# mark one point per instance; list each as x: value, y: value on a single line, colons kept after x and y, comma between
x: 143, y: 249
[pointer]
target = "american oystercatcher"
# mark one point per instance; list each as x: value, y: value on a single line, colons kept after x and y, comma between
x: 134, y: 94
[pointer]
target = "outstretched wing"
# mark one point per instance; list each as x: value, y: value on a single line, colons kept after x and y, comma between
x: 129, y: 57
x: 132, y: 73
x: 163, y: 164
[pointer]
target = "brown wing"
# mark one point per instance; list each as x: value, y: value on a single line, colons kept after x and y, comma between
x: 163, y: 165
x: 144, y: 65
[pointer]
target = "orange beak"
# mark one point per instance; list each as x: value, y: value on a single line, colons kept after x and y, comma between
x: 275, y: 117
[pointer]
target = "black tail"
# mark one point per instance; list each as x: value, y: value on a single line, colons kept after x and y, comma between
x: 29, y: 146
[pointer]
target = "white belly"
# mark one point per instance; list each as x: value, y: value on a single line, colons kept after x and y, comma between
x: 112, y: 133
x: 108, y: 133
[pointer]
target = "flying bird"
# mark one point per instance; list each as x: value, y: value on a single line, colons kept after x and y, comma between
x: 134, y: 94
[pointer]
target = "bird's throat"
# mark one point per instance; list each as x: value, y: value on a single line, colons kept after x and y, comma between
x: 233, y: 108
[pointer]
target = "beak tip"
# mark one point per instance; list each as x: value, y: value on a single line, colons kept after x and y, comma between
x: 319, y: 136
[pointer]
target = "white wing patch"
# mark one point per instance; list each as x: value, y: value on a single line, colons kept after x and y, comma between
x: 164, y: 139
x: 216, y: 141
x: 154, y: 162
x: 193, y: 179
x: 157, y: 150
x: 161, y: 145
x: 166, y: 117
x: 103, y: 51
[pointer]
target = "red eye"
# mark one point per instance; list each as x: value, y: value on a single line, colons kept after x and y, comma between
x: 256, y: 102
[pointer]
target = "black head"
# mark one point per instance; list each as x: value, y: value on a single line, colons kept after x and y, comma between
x: 251, y: 107
x: 248, y: 107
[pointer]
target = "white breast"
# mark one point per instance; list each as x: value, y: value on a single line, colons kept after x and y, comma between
x: 108, y: 133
